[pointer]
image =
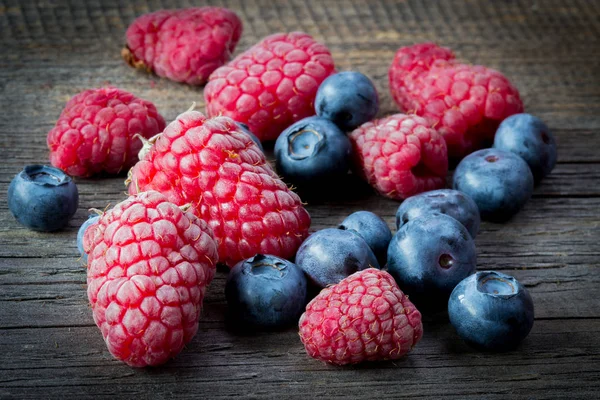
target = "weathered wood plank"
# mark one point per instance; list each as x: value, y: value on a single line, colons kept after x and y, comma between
x: 217, y: 363
x: 546, y: 227
x: 562, y: 292
x: 29, y: 299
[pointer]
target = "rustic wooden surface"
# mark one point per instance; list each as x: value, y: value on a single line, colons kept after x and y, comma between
x: 49, y: 345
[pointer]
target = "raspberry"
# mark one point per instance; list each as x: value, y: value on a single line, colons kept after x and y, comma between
x: 465, y: 103
x: 148, y: 267
x: 183, y: 45
x: 271, y: 85
x: 221, y: 172
x: 95, y: 132
x: 365, y: 317
x: 400, y: 155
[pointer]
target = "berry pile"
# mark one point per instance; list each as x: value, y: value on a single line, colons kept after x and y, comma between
x: 202, y: 192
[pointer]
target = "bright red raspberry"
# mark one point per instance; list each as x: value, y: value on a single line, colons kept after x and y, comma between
x: 365, y: 317
x: 271, y: 85
x: 465, y: 103
x: 400, y: 155
x: 183, y: 45
x: 148, y: 267
x: 221, y: 172
x: 95, y: 132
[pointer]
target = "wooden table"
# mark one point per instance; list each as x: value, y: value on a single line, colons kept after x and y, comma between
x: 49, y: 345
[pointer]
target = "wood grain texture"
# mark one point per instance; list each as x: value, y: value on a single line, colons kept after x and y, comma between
x: 49, y: 345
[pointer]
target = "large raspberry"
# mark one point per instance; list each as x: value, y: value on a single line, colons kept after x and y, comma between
x: 271, y: 85
x: 400, y: 155
x: 95, y: 132
x: 365, y: 317
x: 184, y: 45
x: 148, y: 267
x: 465, y: 103
x: 213, y: 165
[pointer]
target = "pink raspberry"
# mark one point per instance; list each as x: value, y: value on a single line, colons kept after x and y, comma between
x: 95, y: 132
x: 183, y: 45
x: 400, y: 155
x: 221, y: 172
x: 465, y: 103
x: 365, y: 317
x: 149, y: 264
x: 271, y: 85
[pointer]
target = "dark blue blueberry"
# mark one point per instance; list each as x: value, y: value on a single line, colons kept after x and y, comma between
x: 491, y: 311
x: 347, y: 98
x: 445, y: 201
x: 312, y: 151
x: 528, y: 137
x: 429, y: 256
x: 92, y: 219
x: 372, y: 229
x: 500, y: 182
x: 42, y: 198
x: 265, y: 291
x: 247, y: 131
x: 330, y: 255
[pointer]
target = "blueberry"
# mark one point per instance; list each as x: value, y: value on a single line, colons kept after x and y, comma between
x: 429, y: 256
x: 265, y: 291
x: 92, y: 219
x: 347, y: 98
x: 42, y: 198
x: 528, y: 137
x: 330, y: 255
x: 491, y: 311
x: 312, y: 151
x: 445, y: 201
x: 372, y: 229
x: 498, y: 181
x: 244, y: 128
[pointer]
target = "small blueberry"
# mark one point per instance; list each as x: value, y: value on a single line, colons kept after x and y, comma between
x: 446, y: 201
x: 491, y: 311
x: 429, y: 256
x: 92, y: 219
x: 500, y: 182
x: 372, y: 229
x: 330, y: 255
x: 528, y: 137
x: 265, y: 291
x: 312, y: 151
x: 347, y: 98
x: 42, y: 198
